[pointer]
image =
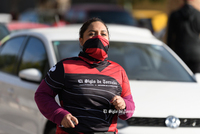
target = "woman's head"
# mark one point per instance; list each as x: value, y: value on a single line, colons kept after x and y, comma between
x: 91, y: 28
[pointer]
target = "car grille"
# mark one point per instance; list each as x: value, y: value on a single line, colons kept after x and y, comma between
x: 160, y: 122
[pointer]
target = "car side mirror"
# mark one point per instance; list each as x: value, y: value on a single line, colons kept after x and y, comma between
x: 197, y: 77
x: 31, y: 74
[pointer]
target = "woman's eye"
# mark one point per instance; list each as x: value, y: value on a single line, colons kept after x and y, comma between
x: 91, y: 34
x: 103, y: 34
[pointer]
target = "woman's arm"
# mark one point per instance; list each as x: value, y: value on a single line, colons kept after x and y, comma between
x: 127, y: 98
x: 45, y: 100
x: 125, y: 105
x: 130, y: 107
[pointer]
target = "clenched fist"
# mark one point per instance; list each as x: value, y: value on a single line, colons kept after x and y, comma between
x: 69, y: 121
x: 118, y: 102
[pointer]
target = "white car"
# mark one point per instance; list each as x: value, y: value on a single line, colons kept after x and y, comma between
x: 165, y: 91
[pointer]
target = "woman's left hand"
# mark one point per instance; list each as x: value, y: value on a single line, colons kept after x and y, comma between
x: 118, y: 102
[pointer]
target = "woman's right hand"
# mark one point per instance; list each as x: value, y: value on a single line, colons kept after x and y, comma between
x: 68, y: 120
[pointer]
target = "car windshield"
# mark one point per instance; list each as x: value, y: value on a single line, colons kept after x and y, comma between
x: 117, y: 17
x: 140, y: 61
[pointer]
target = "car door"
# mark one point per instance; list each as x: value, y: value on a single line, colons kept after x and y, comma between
x: 24, y: 113
x: 9, y: 104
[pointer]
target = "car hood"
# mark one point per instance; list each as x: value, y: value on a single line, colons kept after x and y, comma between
x: 161, y: 99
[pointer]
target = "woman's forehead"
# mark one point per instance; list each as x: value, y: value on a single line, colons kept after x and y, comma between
x: 97, y: 26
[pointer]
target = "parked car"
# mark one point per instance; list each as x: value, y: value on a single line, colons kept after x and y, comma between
x: 48, y: 17
x: 109, y: 13
x: 7, y: 28
x: 19, y: 25
x: 165, y: 91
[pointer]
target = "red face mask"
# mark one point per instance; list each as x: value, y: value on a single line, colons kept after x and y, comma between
x: 97, y: 47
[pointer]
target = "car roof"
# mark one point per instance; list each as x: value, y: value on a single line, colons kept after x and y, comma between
x: 121, y: 33
x: 17, y: 25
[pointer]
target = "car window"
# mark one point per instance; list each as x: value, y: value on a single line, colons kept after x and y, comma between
x: 147, y: 62
x: 34, y: 55
x: 9, y: 54
x: 76, y: 16
x: 69, y: 16
x: 3, y: 31
x: 47, y: 17
x: 80, y: 16
x: 140, y: 61
x: 65, y: 49
x: 116, y: 17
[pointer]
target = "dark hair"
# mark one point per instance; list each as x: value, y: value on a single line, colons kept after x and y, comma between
x: 185, y: 1
x: 86, y: 25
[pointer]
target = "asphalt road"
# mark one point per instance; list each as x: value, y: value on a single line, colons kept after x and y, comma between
x: 1, y: 132
x: 5, y: 128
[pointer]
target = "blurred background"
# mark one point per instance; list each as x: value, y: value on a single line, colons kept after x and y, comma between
x: 152, y: 14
